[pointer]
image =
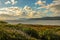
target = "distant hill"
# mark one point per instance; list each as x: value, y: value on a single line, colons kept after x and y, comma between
x: 46, y: 18
x: 30, y: 19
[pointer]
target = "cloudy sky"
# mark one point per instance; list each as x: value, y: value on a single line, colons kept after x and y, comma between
x: 14, y: 9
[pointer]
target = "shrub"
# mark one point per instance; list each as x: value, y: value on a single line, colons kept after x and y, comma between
x: 32, y: 33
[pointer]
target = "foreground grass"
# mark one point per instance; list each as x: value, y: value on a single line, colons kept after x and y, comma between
x: 28, y: 32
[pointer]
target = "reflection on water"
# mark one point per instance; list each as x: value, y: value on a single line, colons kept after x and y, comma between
x: 42, y: 22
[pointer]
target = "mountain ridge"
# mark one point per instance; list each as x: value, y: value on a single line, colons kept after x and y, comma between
x: 46, y: 18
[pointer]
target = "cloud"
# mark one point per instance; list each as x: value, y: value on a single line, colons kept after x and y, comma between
x: 39, y: 2
x: 28, y: 12
x: 7, y: 17
x: 57, y: 2
x: 27, y: 8
x: 53, y: 7
x: 16, y: 12
x: 11, y: 2
x: 33, y: 13
x: 8, y: 2
x: 10, y: 10
x: 10, y: 13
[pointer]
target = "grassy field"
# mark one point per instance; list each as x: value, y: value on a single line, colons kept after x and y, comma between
x: 28, y: 32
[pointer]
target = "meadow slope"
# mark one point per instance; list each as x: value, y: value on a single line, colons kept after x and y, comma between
x: 28, y: 32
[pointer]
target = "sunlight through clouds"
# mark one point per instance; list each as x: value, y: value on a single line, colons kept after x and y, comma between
x: 20, y: 9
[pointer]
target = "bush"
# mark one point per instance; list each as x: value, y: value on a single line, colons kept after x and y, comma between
x: 3, y: 22
x: 32, y: 33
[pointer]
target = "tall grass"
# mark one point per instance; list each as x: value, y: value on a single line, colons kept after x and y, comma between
x: 28, y: 32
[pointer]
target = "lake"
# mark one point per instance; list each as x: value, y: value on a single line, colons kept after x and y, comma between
x: 40, y: 22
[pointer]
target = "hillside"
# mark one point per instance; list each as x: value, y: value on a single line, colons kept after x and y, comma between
x: 28, y: 32
x: 46, y: 18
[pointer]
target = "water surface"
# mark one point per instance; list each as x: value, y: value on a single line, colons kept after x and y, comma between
x: 40, y: 22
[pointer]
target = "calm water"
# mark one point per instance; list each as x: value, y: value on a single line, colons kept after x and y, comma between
x: 42, y: 22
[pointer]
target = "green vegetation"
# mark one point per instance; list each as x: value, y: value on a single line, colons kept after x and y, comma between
x: 28, y: 32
